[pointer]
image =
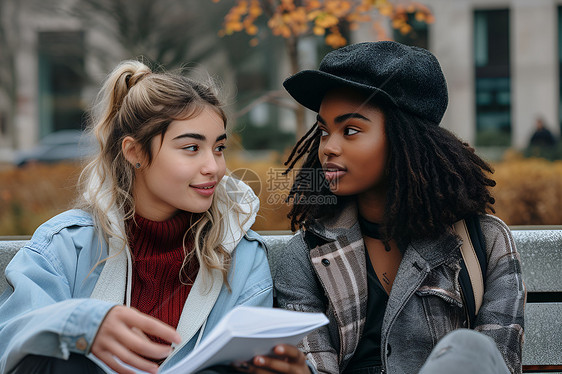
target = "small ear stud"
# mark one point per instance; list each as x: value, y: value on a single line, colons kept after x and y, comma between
x: 138, y: 165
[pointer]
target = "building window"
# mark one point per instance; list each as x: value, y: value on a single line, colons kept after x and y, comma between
x: 418, y: 36
x: 560, y: 67
x: 3, y: 124
x: 492, y: 77
x: 61, y: 79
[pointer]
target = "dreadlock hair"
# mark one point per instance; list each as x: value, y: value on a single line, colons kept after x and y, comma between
x: 434, y: 179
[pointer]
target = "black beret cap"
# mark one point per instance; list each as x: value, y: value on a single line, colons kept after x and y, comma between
x: 389, y: 72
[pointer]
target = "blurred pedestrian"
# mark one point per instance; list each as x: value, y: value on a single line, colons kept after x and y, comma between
x: 542, y: 137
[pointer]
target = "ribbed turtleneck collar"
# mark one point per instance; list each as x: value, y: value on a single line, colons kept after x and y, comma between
x: 164, y: 235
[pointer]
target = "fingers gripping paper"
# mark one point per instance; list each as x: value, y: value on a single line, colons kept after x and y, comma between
x: 243, y: 333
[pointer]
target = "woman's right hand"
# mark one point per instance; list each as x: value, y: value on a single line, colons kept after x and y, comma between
x: 123, y: 334
x: 285, y: 358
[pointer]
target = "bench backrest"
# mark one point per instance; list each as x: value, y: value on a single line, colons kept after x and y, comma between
x: 541, y: 261
x: 8, y: 249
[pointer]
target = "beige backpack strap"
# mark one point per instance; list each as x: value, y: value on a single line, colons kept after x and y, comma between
x: 472, y: 264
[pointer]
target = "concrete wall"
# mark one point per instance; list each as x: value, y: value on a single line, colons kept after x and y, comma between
x: 450, y: 39
x: 534, y: 61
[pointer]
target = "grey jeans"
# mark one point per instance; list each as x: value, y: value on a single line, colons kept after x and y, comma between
x: 465, y: 351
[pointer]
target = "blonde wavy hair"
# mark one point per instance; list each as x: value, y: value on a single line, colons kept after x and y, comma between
x: 136, y: 102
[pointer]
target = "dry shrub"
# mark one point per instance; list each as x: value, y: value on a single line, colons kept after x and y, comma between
x: 528, y: 192
x: 271, y: 187
x: 31, y: 195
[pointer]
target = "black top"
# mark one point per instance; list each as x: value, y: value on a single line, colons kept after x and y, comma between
x: 368, y: 352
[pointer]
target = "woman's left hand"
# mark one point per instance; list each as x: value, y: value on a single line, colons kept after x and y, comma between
x: 285, y: 359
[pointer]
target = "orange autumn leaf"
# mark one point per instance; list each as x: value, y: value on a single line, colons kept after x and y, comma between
x: 385, y: 10
x: 405, y: 29
x: 420, y: 17
x: 313, y: 15
x: 313, y: 4
x: 252, y: 30
x: 335, y: 39
x: 327, y: 21
x: 255, y: 11
x: 318, y: 30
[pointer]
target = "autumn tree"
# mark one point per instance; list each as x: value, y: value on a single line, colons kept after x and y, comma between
x: 294, y: 19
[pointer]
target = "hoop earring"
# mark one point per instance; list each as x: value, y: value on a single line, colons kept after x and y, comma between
x: 138, y: 165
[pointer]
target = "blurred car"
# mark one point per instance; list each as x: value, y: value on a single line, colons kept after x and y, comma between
x: 64, y: 145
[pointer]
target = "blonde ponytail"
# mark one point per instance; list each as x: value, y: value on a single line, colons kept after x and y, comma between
x: 136, y: 102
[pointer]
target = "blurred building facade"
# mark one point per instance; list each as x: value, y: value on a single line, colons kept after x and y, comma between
x: 55, y: 54
x: 502, y: 61
x: 501, y: 58
x: 37, y: 80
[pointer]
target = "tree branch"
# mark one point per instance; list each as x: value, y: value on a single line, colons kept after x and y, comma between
x: 277, y: 97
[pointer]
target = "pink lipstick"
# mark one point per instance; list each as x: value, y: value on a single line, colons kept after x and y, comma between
x: 205, y: 189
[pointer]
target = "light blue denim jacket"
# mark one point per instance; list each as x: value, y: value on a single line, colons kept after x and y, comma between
x: 56, y: 302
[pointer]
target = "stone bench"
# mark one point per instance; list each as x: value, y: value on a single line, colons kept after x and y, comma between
x: 541, y: 257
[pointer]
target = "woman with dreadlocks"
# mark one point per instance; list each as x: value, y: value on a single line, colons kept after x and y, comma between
x: 383, y: 262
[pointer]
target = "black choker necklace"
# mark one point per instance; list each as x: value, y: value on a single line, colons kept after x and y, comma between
x: 372, y: 230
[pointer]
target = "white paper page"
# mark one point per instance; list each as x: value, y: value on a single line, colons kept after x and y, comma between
x: 246, y: 332
x: 250, y: 321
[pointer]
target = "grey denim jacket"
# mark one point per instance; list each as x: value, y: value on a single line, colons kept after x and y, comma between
x: 425, y: 302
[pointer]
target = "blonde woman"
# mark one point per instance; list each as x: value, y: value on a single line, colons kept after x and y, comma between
x: 158, y: 249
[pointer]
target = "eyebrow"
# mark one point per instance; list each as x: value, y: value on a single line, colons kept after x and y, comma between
x: 343, y: 118
x: 199, y: 137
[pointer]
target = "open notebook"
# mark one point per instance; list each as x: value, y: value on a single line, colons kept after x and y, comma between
x: 245, y: 332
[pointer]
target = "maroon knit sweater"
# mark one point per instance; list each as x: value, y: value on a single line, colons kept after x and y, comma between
x: 158, y: 255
